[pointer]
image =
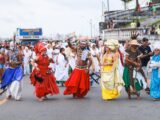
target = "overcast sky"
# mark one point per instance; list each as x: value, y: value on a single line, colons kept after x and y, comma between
x: 54, y: 16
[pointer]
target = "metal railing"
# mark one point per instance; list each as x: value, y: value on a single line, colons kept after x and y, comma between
x: 124, y: 13
x: 125, y: 34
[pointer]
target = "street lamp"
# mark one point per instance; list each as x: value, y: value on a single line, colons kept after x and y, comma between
x: 90, y: 21
x: 91, y: 26
x: 108, y: 5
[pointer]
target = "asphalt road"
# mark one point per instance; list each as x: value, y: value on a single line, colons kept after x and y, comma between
x: 92, y: 107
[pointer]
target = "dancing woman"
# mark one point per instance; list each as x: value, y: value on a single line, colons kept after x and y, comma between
x: 42, y: 77
x: 111, y: 81
x: 154, y: 66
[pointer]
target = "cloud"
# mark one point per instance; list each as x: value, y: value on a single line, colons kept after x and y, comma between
x: 54, y: 16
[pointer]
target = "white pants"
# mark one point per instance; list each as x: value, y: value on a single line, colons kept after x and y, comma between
x: 26, y: 69
x: 15, y: 90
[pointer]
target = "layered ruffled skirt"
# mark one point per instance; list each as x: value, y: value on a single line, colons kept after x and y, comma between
x: 45, y: 87
x: 78, y: 84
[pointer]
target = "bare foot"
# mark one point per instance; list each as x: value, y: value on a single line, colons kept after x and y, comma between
x: 138, y: 96
x: 9, y: 97
x: 40, y: 99
x: 74, y: 96
x: 129, y: 97
x: 45, y: 97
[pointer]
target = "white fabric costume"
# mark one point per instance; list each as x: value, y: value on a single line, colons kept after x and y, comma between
x: 61, y: 72
x: 95, y: 53
x: 27, y: 56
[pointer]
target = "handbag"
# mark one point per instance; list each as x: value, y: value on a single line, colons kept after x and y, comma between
x: 38, y: 78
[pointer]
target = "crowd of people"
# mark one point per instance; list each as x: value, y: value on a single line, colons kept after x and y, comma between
x: 77, y: 64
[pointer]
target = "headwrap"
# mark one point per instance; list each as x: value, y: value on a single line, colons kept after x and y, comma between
x: 26, y: 48
x: 157, y: 46
x: 112, y: 44
x: 39, y: 47
x: 92, y: 44
x: 83, y: 40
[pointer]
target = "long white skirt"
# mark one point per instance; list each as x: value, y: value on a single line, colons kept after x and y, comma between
x: 26, y: 69
x: 96, y: 65
x: 15, y: 90
x: 61, y: 73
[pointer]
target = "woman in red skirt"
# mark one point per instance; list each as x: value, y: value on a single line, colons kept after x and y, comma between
x: 42, y: 76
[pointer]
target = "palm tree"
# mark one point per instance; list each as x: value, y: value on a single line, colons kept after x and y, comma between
x: 125, y: 3
x: 137, y: 6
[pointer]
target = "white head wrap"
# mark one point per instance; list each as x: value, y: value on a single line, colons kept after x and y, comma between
x: 157, y: 46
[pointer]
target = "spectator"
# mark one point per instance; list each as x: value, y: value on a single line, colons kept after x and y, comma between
x: 146, y: 54
x: 133, y: 24
x: 152, y: 31
x: 154, y: 10
x: 158, y: 30
x: 138, y: 23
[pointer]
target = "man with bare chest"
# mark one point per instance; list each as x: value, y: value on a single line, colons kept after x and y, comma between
x: 13, y: 75
x: 78, y: 83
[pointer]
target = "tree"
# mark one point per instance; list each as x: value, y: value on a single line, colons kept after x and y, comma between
x: 125, y: 3
x: 137, y: 6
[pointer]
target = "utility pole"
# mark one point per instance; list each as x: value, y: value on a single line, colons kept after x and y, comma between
x: 108, y: 5
x: 94, y: 30
x: 103, y: 9
x: 91, y: 26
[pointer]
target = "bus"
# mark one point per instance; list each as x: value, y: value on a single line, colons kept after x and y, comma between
x: 28, y: 36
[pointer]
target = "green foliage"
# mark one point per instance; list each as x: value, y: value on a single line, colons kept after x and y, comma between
x: 126, y: 1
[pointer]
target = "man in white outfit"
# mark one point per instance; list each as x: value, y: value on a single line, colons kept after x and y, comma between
x: 27, y: 56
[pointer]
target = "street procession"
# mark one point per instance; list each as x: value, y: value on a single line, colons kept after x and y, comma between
x: 74, y: 60
x: 77, y: 64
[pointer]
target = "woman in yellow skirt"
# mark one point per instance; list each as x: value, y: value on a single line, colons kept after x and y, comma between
x: 111, y: 82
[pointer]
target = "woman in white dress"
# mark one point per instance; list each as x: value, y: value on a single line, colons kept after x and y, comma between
x: 55, y: 55
x: 71, y: 55
x: 50, y: 55
x: 95, y: 68
x: 96, y: 58
x: 61, y: 72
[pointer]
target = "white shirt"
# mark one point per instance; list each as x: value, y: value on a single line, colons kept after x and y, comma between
x: 50, y: 53
x: 27, y: 55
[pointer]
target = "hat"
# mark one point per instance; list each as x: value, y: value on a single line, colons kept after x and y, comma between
x: 83, y: 40
x: 112, y: 44
x: 134, y: 42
